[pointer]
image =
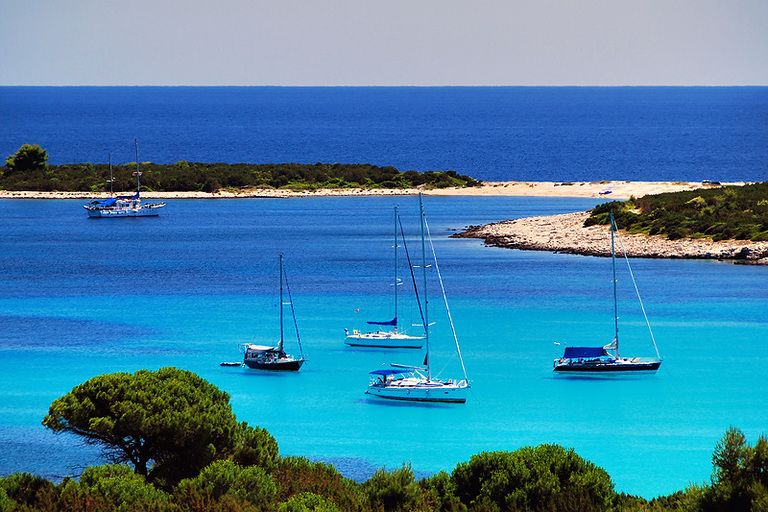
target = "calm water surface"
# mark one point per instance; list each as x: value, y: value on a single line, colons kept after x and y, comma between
x: 490, y: 133
x: 82, y: 297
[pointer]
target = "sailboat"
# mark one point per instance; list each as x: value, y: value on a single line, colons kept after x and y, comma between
x: 123, y: 206
x: 386, y: 338
x: 415, y: 383
x: 273, y: 357
x: 606, y: 360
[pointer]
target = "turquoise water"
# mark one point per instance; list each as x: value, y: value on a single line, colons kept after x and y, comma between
x: 81, y: 297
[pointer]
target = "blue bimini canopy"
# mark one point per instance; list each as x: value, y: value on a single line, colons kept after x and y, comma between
x: 391, y: 322
x: 583, y: 352
x: 389, y: 372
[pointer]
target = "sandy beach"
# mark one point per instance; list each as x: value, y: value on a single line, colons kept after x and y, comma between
x: 608, y: 189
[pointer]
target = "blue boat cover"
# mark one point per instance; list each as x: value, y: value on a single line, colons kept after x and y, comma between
x: 389, y: 372
x: 581, y: 352
x: 106, y: 202
x: 391, y: 322
x: 134, y: 196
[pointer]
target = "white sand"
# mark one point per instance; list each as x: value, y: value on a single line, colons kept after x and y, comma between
x: 607, y: 189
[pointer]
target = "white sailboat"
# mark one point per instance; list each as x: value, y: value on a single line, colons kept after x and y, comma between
x: 392, y: 338
x: 606, y: 360
x: 273, y: 357
x: 123, y: 206
x: 415, y: 383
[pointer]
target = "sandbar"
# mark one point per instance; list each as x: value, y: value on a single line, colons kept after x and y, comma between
x: 608, y: 189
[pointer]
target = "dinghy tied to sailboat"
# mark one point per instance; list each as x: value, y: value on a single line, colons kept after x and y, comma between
x: 274, y: 357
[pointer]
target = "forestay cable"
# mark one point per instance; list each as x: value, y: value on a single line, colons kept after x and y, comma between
x: 445, y: 298
x: 637, y: 291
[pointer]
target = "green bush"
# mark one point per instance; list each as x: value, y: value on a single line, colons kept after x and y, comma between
x: 28, y: 490
x: 295, y: 475
x: 255, y: 446
x: 544, y: 478
x: 28, y: 159
x: 308, y: 502
x: 734, y: 212
x: 440, y: 493
x: 118, y: 488
x: 395, y: 491
x: 6, y: 503
x: 224, y: 484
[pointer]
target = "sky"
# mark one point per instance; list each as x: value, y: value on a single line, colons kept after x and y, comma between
x: 384, y: 42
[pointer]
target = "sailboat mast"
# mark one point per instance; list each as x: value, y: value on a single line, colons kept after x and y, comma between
x: 615, y: 301
x: 396, y: 268
x: 424, y: 273
x: 110, y: 175
x: 280, y: 345
x: 138, y: 174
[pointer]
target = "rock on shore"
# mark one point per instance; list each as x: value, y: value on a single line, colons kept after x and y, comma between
x: 566, y: 233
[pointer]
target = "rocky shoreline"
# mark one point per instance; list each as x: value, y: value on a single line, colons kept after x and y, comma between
x: 566, y: 234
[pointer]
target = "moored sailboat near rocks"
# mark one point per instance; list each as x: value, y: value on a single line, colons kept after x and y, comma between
x: 606, y: 360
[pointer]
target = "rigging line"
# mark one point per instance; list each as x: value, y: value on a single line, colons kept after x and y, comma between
x: 413, y: 277
x: 123, y: 146
x: 445, y: 299
x: 293, y: 313
x: 637, y: 291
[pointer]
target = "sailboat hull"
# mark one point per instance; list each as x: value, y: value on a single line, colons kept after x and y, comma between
x: 382, y: 339
x: 421, y: 391
x: 148, y: 210
x: 607, y: 367
x: 282, y: 365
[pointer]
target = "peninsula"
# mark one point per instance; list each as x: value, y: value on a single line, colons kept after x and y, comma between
x: 566, y: 234
x: 723, y: 223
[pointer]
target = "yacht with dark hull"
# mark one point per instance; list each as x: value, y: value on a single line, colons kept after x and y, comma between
x: 274, y: 357
x: 599, y: 360
x: 605, y: 360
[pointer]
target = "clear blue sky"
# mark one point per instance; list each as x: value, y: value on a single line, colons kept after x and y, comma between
x: 384, y: 42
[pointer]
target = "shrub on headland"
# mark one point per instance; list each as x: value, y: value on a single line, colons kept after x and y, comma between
x: 723, y: 213
x: 245, y: 474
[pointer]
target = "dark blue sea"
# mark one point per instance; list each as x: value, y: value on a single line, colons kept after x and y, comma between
x: 80, y: 297
x: 490, y: 133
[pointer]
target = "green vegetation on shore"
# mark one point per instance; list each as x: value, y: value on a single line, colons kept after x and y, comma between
x: 28, y: 170
x: 723, y: 213
x: 186, y: 452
